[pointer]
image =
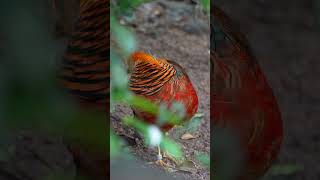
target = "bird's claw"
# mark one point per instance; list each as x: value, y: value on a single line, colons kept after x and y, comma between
x: 163, y: 164
x: 167, y: 155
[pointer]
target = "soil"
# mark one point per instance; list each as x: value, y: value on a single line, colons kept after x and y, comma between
x: 178, y: 31
x: 284, y: 36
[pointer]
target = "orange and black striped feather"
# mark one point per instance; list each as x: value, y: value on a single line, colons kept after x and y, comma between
x: 86, y: 64
x: 148, y: 79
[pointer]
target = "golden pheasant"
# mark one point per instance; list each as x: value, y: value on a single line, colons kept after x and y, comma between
x: 241, y: 99
x: 85, y: 73
x: 161, y: 81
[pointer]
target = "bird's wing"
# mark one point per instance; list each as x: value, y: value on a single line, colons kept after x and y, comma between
x: 148, y: 77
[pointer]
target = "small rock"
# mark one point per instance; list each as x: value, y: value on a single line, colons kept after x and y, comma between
x: 31, y: 157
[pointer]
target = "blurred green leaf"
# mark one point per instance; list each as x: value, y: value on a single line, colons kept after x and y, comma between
x: 205, y: 5
x: 163, y: 116
x: 172, y: 147
x: 190, y: 126
x: 125, y: 6
x: 179, y: 109
x: 93, y: 134
x: 285, y: 169
x: 137, y: 124
x: 4, y: 154
x: 146, y: 105
x: 124, y: 38
x: 143, y: 104
x: 194, y: 123
x: 151, y: 138
x: 204, y: 159
x: 174, y: 115
x: 115, y: 145
x: 119, y: 79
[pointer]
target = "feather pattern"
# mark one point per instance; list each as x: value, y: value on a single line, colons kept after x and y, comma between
x: 163, y: 82
x: 148, y: 79
x: 85, y: 74
x: 86, y: 62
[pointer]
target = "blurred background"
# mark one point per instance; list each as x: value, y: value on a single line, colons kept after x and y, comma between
x: 38, y: 120
x: 284, y: 36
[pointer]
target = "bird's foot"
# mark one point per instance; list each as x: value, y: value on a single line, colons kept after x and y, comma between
x: 160, y: 162
x: 164, y: 165
x: 169, y: 156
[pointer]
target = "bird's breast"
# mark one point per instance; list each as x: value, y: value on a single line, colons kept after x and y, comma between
x: 178, y: 90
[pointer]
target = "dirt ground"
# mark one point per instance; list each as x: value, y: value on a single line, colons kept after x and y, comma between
x: 178, y: 31
x: 284, y: 36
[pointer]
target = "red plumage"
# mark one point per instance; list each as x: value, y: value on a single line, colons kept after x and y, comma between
x: 161, y: 81
x: 241, y: 99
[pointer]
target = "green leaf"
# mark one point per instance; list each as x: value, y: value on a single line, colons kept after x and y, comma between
x: 149, y: 137
x: 179, y: 109
x: 194, y: 123
x: 115, y: 145
x: 136, y: 123
x: 172, y: 147
x: 4, y: 154
x: 146, y: 105
x: 119, y: 77
x: 143, y: 104
x: 190, y: 126
x: 205, y: 5
x: 124, y: 38
x: 126, y: 6
x: 163, y: 116
x: 285, y: 169
x: 204, y: 159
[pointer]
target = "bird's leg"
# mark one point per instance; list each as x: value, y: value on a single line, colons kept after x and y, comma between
x: 160, y: 161
x: 159, y: 157
x: 169, y: 156
x: 166, y: 155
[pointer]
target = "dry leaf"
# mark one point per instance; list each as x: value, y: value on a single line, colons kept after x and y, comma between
x: 187, y: 136
x: 188, y: 166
